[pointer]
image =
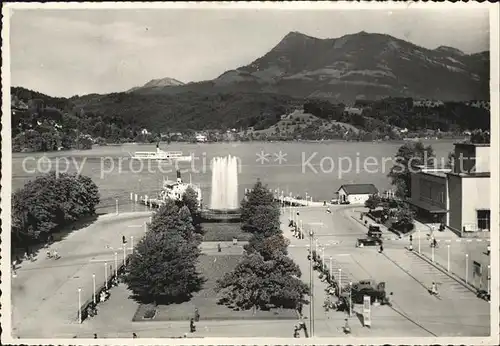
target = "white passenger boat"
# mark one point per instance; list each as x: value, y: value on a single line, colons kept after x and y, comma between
x: 161, y: 155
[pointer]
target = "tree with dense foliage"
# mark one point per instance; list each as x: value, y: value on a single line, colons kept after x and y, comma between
x: 268, y: 247
x: 404, y: 217
x: 163, y: 267
x: 265, y: 220
x: 480, y: 137
x: 409, y: 156
x: 373, y: 202
x: 259, y: 284
x: 49, y: 202
x: 450, y: 162
x: 190, y: 200
x: 259, y: 195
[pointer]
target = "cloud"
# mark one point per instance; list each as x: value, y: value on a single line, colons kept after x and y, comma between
x: 67, y: 52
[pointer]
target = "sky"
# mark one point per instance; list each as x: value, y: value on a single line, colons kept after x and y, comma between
x: 77, y: 52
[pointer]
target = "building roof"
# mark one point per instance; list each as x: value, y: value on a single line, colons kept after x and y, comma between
x: 431, y: 208
x: 359, y: 189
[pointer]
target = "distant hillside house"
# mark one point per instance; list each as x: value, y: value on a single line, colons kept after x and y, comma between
x: 201, y: 138
x: 356, y: 193
x: 144, y: 132
x: 353, y: 110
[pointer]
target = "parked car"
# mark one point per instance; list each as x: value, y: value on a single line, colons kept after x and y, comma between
x: 374, y: 231
x: 361, y: 242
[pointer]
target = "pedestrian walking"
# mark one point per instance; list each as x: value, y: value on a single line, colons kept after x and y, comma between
x: 219, y: 249
x: 134, y: 336
x: 192, y: 327
x: 124, y: 241
x: 381, y: 248
x: 411, y: 247
x: 434, y: 290
x: 95, y: 336
x: 196, y: 315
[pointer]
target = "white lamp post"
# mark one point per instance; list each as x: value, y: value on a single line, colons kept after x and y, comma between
x: 116, y: 265
x: 106, y: 275
x: 79, y: 305
x: 448, y: 261
x: 419, y: 240
x: 340, y: 281
x: 93, y: 292
x: 350, y: 298
x: 331, y: 267
x: 489, y: 278
x: 117, y: 206
x: 466, y: 268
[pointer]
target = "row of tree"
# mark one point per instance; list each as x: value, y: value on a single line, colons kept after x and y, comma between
x: 266, y: 277
x: 50, y: 202
x: 395, y: 213
x: 163, y: 267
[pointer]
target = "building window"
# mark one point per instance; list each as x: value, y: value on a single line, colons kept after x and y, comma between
x: 483, y: 219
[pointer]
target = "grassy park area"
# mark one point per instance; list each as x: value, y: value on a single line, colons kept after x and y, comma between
x: 221, y: 231
x: 212, y: 268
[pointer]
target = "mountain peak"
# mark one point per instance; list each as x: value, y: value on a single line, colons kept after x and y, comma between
x: 158, y: 83
x: 162, y: 82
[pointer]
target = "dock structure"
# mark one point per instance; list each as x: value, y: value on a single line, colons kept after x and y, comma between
x: 295, y: 202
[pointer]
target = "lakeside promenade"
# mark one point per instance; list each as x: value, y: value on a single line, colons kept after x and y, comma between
x: 45, y: 292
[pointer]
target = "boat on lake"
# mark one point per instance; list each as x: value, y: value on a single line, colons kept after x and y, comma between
x: 160, y: 155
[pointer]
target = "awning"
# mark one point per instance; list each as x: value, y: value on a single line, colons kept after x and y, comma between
x: 431, y: 208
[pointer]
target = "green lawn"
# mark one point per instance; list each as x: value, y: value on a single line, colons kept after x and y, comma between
x: 220, y: 231
x: 212, y: 268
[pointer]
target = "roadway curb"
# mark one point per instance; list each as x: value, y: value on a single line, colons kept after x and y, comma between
x: 444, y: 271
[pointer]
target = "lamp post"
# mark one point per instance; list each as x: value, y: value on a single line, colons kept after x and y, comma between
x: 93, y: 291
x: 466, y: 268
x: 79, y: 305
x: 132, y: 243
x: 116, y: 206
x: 106, y: 275
x: 340, y: 281
x: 116, y: 265
x: 124, y: 253
x: 448, y: 261
x: 311, y: 285
x: 331, y: 267
x: 489, y: 278
x: 419, y: 240
x: 350, y: 298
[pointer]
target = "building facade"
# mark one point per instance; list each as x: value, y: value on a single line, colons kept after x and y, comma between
x: 458, y: 197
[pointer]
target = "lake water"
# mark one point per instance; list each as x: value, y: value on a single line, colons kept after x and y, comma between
x: 315, y: 168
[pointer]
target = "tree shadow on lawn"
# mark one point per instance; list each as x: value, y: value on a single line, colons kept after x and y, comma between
x: 206, y: 300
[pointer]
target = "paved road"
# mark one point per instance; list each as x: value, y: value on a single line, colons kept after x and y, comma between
x: 457, y: 313
x: 45, y: 292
